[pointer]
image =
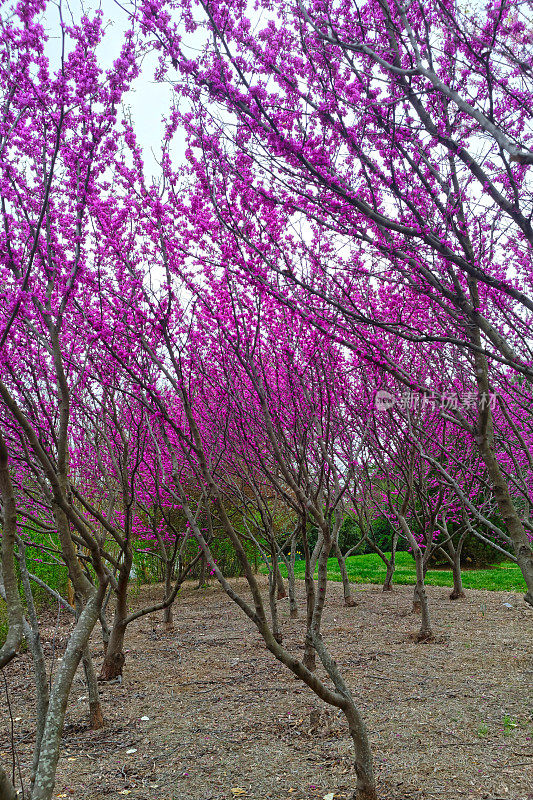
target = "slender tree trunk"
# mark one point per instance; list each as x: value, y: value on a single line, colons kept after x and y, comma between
x: 313, y: 628
x: 272, y: 585
x: 417, y: 602
x: 8, y: 574
x: 203, y: 569
x: 33, y: 638
x: 293, y: 606
x: 390, y: 564
x: 114, y: 658
x: 168, y: 617
x: 42, y: 695
x: 346, y: 588
x: 96, y: 717
x: 55, y: 717
x: 309, y: 656
x: 425, y: 633
x: 106, y: 630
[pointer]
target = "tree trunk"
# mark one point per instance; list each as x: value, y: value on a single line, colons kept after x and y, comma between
x: 168, y: 617
x: 500, y: 486
x: 203, y: 568
x: 114, y: 658
x: 315, y: 621
x: 8, y: 575
x: 425, y: 633
x: 364, y: 769
x: 282, y: 592
x: 96, y: 717
x: 55, y: 717
x: 33, y: 638
x: 276, y: 632
x: 7, y: 790
x: 390, y: 564
x: 346, y: 588
x: 455, y: 554
x: 366, y: 784
x: 387, y: 584
x: 309, y: 656
x: 293, y: 606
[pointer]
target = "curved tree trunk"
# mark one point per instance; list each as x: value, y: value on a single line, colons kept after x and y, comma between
x: 366, y: 784
x: 364, y: 768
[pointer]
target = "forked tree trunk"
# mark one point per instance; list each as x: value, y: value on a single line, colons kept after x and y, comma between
x: 455, y: 555
x: 342, y: 699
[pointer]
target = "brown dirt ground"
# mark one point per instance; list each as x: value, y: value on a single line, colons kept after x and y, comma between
x: 448, y: 720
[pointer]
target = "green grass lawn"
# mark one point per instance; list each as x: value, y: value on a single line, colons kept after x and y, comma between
x: 371, y: 569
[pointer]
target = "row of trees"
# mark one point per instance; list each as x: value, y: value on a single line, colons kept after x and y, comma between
x: 324, y: 314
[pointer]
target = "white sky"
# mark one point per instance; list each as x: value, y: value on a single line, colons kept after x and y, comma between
x: 148, y: 101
